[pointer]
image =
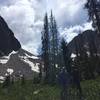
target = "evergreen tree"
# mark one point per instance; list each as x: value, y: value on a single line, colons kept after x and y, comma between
x: 22, y: 79
x: 40, y: 72
x: 45, y: 48
x: 93, y: 57
x: 53, y: 48
x: 53, y: 33
x: 66, y: 56
x: 50, y: 48
x: 7, y: 81
x: 93, y: 7
x: 60, y: 57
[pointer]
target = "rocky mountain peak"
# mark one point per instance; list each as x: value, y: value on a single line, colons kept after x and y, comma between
x: 8, y: 41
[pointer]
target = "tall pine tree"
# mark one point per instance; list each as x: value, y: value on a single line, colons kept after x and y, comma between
x: 93, y: 7
x: 53, y: 33
x: 50, y: 48
x: 45, y: 48
x: 66, y: 56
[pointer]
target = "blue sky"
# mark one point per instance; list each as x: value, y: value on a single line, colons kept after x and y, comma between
x: 25, y: 18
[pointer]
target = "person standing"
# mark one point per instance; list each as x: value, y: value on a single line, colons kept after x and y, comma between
x: 64, y: 81
x: 76, y: 80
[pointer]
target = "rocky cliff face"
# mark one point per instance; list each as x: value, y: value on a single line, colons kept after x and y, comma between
x: 85, y: 39
x: 8, y: 42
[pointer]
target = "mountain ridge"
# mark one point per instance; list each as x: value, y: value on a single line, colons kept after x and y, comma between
x: 85, y: 39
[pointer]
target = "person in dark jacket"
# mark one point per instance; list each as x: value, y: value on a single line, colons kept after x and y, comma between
x: 76, y: 80
x: 64, y: 81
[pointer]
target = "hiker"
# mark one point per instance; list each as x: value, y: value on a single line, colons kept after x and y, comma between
x: 76, y: 80
x: 64, y: 81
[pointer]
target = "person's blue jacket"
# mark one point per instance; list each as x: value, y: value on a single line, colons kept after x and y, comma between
x: 64, y: 78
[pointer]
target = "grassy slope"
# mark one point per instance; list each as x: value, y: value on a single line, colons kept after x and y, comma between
x: 91, y: 91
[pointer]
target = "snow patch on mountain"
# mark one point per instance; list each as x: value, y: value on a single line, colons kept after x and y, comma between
x: 4, y: 59
x: 10, y: 71
x: 33, y: 57
x: 34, y: 66
x: 73, y: 55
x: 2, y: 79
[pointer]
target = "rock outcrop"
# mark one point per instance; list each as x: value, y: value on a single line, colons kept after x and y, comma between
x: 8, y: 41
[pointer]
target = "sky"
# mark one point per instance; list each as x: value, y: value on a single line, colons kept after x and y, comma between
x: 25, y: 18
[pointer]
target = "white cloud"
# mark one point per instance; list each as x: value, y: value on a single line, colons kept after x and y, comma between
x: 68, y: 12
x: 70, y: 33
